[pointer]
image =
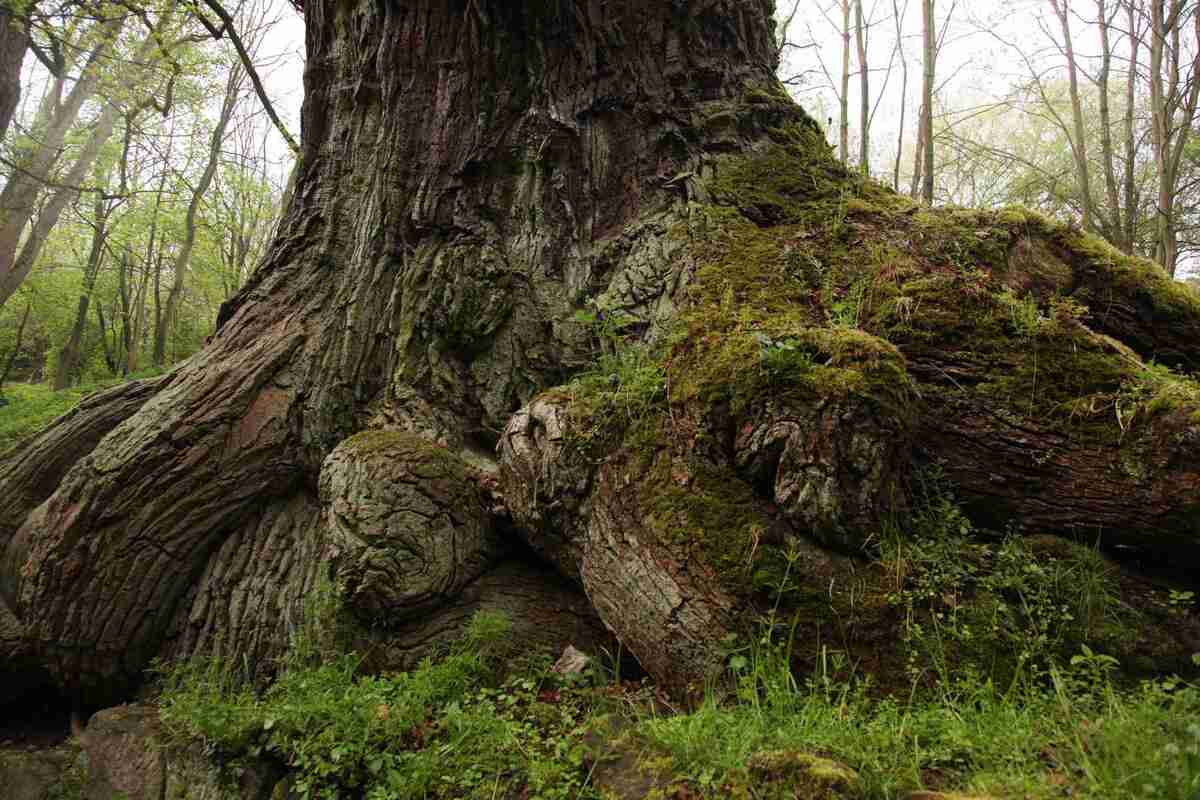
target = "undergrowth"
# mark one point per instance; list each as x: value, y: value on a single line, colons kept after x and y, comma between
x: 1012, y: 694
x: 450, y: 728
x: 995, y: 607
x: 30, y: 407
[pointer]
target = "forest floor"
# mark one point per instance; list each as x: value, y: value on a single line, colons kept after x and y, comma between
x: 451, y: 730
x: 1059, y: 717
x: 30, y: 407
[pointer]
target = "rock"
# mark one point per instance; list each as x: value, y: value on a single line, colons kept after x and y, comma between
x: 794, y: 774
x: 572, y: 662
x: 124, y: 750
x: 626, y: 768
x: 37, y: 774
x: 620, y: 769
x: 923, y: 795
x: 127, y: 759
x: 191, y: 776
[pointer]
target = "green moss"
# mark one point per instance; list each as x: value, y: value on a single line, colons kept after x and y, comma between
x: 428, y: 458
x: 710, y: 514
x: 758, y: 96
x: 792, y: 773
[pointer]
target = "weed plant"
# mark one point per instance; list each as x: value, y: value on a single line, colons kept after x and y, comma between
x: 449, y: 728
x: 1012, y: 695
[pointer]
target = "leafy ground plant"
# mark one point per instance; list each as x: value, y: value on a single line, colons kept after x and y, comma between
x: 446, y: 729
x: 1053, y: 717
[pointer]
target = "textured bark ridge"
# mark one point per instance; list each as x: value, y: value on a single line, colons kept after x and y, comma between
x: 407, y: 527
x: 474, y: 175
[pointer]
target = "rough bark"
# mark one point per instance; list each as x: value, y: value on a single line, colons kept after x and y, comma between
x: 14, y: 43
x: 819, y: 338
x: 427, y: 279
x: 408, y: 528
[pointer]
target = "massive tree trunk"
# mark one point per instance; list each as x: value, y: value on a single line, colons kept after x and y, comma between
x: 427, y: 279
x: 476, y: 173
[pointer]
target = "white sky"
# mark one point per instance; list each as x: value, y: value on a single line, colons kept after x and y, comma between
x: 282, y: 54
x: 981, y: 59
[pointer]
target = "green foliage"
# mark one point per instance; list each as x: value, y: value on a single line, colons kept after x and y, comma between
x: 623, y: 386
x: 1071, y: 736
x: 1024, y: 314
x: 446, y: 729
x: 996, y: 608
x: 450, y: 729
x: 31, y: 407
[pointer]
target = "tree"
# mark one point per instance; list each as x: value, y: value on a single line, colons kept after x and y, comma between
x: 1174, y: 92
x: 430, y: 280
x: 929, y: 74
x: 184, y: 256
x: 32, y: 170
x: 864, y: 79
x: 32, y: 174
x: 1079, y: 141
x: 14, y: 43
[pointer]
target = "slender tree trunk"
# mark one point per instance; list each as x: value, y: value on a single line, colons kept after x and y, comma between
x: 153, y: 272
x: 52, y: 209
x: 167, y: 320
x: 18, y: 342
x: 844, y: 96
x: 110, y: 358
x: 898, y: 17
x: 864, y: 75
x: 1173, y: 109
x: 125, y: 297
x: 1114, y: 224
x: 1079, y: 139
x: 69, y: 357
x: 930, y: 74
x: 1130, y: 140
x: 13, y: 46
x: 35, y: 162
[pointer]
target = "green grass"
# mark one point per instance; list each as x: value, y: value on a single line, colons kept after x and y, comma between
x: 1051, y: 718
x: 1073, y: 735
x: 33, y: 406
x: 451, y: 729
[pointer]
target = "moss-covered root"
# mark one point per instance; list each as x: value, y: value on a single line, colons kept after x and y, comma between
x: 786, y: 774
